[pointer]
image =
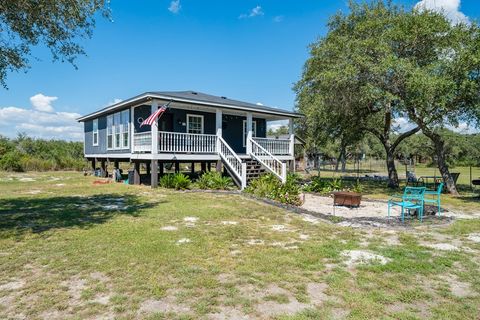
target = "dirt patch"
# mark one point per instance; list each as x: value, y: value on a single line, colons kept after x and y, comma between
x: 164, y: 305
x: 304, y: 237
x: 184, y: 241
x: 316, y: 292
x: 231, y: 223
x: 279, y: 227
x: 12, y: 285
x: 442, y: 246
x: 169, y: 228
x: 358, y: 257
x: 255, y: 242
x: 99, y: 276
x: 228, y: 313
x: 311, y: 219
x: 458, y: 288
x: 75, y: 287
x: 274, y: 308
x: 474, y: 237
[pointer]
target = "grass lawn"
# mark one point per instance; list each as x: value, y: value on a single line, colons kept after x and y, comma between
x: 73, y: 250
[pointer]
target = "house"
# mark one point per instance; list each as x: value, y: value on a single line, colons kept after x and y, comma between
x: 196, y: 128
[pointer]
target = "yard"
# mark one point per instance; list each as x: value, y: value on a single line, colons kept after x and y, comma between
x: 70, y: 249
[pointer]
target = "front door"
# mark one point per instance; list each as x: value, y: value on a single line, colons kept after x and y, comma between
x: 166, y: 122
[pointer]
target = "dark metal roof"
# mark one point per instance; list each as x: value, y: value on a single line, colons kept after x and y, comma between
x: 193, y: 97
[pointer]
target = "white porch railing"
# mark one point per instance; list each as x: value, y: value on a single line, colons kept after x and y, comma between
x: 186, y: 142
x: 269, y: 161
x: 234, y: 163
x: 142, y: 142
x: 278, y: 147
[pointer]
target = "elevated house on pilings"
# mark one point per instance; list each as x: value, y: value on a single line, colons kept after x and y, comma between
x: 196, y: 128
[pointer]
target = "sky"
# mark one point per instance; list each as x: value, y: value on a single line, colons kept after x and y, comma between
x: 247, y: 50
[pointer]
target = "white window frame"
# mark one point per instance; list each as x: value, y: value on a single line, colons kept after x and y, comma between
x: 245, y: 133
x: 111, y: 132
x: 95, y: 133
x: 195, y: 116
x: 125, y: 129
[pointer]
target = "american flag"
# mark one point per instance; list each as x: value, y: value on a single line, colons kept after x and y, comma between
x: 154, y: 116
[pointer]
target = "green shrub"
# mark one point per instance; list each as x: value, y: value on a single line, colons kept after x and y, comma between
x: 214, y: 181
x: 269, y: 186
x: 12, y: 161
x: 181, y: 181
x: 168, y: 181
x: 177, y: 181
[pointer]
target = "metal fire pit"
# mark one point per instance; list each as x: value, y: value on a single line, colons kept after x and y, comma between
x: 348, y: 199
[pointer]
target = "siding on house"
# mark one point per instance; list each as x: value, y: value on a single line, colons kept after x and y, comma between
x: 102, y: 138
x: 232, y: 128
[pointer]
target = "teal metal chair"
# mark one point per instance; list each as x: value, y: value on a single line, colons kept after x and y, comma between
x: 433, y: 196
x: 413, y: 198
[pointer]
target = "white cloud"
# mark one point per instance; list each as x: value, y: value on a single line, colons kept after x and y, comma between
x: 464, y: 128
x: 114, y: 101
x: 275, y: 125
x: 46, y: 123
x: 450, y: 8
x: 278, y: 19
x: 402, y: 124
x: 42, y: 102
x: 174, y: 6
x: 255, y: 12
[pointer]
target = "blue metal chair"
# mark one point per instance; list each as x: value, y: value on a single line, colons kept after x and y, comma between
x: 434, y: 197
x: 412, y: 199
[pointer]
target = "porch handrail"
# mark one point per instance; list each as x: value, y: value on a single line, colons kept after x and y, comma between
x: 142, y: 141
x: 186, y: 142
x: 232, y: 160
x: 269, y: 161
x: 274, y: 146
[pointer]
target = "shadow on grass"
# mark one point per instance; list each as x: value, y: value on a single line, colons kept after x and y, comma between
x: 22, y: 215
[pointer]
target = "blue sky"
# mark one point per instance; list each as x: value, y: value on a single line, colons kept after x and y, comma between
x: 248, y: 50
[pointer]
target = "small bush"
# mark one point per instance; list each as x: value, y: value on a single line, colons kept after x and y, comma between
x: 168, y: 181
x: 269, y: 186
x: 12, y: 161
x: 214, y: 181
x: 181, y: 181
x: 177, y: 181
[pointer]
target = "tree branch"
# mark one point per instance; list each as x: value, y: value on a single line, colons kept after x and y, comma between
x: 403, y: 136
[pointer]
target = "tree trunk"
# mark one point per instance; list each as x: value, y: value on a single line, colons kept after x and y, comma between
x: 439, y: 144
x: 342, y: 158
x: 392, y: 170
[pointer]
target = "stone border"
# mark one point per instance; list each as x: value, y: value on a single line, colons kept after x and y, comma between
x: 393, y: 222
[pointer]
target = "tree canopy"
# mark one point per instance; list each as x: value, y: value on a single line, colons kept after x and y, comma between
x: 57, y: 24
x: 381, y: 64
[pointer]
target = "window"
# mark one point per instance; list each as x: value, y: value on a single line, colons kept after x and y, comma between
x: 254, y: 131
x: 194, y: 123
x: 118, y: 130
x: 95, y: 132
x: 125, y: 128
x: 110, y: 132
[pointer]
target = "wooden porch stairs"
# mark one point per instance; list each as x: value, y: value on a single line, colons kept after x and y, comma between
x: 254, y: 169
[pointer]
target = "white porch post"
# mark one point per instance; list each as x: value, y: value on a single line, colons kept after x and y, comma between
x: 249, y: 132
x: 291, y: 148
x: 218, y: 126
x: 132, y: 129
x: 292, y: 137
x: 154, y: 129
